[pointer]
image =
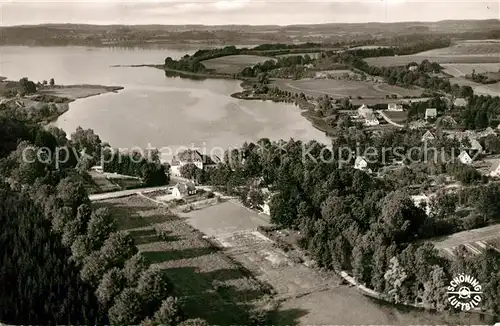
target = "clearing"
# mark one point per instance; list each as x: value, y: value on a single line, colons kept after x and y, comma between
x: 210, y: 284
x: 462, y: 69
x: 344, y: 88
x: 233, y: 64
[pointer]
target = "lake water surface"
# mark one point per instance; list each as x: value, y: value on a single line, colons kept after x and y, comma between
x: 154, y: 109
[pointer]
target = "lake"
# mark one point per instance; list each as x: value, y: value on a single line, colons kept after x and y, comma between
x: 154, y: 109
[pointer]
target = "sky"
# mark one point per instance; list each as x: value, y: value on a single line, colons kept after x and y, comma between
x: 248, y: 12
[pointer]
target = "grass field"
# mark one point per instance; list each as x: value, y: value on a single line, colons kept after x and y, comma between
x: 403, y: 60
x: 210, y: 284
x: 233, y: 64
x: 472, y: 52
x: 462, y: 69
x: 479, y: 89
x: 397, y: 116
x: 344, y: 88
x: 472, y: 47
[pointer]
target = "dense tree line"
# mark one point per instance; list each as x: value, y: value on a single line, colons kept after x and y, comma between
x: 39, y: 283
x: 65, y: 263
x: 404, y: 48
x: 350, y: 220
x: 289, y: 61
x: 145, y: 166
x: 186, y: 63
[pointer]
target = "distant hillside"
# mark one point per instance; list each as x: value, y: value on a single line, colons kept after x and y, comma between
x: 160, y: 35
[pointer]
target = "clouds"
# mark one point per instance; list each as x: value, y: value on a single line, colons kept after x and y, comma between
x: 251, y: 12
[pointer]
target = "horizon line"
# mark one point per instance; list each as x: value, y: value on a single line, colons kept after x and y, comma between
x: 255, y: 25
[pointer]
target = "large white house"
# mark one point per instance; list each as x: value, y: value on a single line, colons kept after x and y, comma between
x: 200, y: 160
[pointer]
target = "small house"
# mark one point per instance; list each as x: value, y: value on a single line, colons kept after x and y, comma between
x: 447, y: 122
x: 361, y: 164
x: 428, y: 136
x: 394, y: 107
x: 495, y: 169
x: 184, y: 189
x: 465, y: 158
x: 97, y: 168
x: 460, y: 102
x: 363, y: 111
x: 475, y: 145
x: 413, y: 68
x: 430, y: 113
x: 371, y: 120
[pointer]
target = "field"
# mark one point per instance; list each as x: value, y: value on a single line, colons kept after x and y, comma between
x: 403, y: 60
x: 471, y: 47
x: 475, y: 241
x: 308, y: 296
x: 233, y: 64
x: 344, y: 88
x: 462, y: 52
x: 479, y: 89
x: 397, y: 116
x: 457, y: 70
x: 210, y: 284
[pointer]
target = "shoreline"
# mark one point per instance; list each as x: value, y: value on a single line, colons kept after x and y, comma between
x: 57, y: 98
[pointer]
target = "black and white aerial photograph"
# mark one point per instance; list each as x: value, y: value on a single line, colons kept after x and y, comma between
x: 249, y: 162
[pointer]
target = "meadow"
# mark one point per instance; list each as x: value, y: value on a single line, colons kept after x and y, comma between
x: 471, y: 52
x: 233, y: 64
x: 462, y: 69
x: 344, y: 88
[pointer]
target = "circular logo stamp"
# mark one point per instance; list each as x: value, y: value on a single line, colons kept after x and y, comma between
x: 464, y: 292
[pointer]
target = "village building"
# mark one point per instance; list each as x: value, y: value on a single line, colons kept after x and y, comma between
x: 487, y: 132
x: 495, y: 169
x: 447, y: 122
x: 430, y: 113
x: 413, y: 68
x: 363, y: 111
x: 361, y: 164
x: 465, y: 158
x: 371, y: 120
x: 460, y: 102
x: 394, y: 107
x: 428, y: 136
x: 200, y: 160
x: 183, y: 189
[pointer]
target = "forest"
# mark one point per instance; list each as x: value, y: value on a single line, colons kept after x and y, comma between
x: 62, y: 262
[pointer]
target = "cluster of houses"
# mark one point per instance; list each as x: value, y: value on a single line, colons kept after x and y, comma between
x: 468, y: 151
